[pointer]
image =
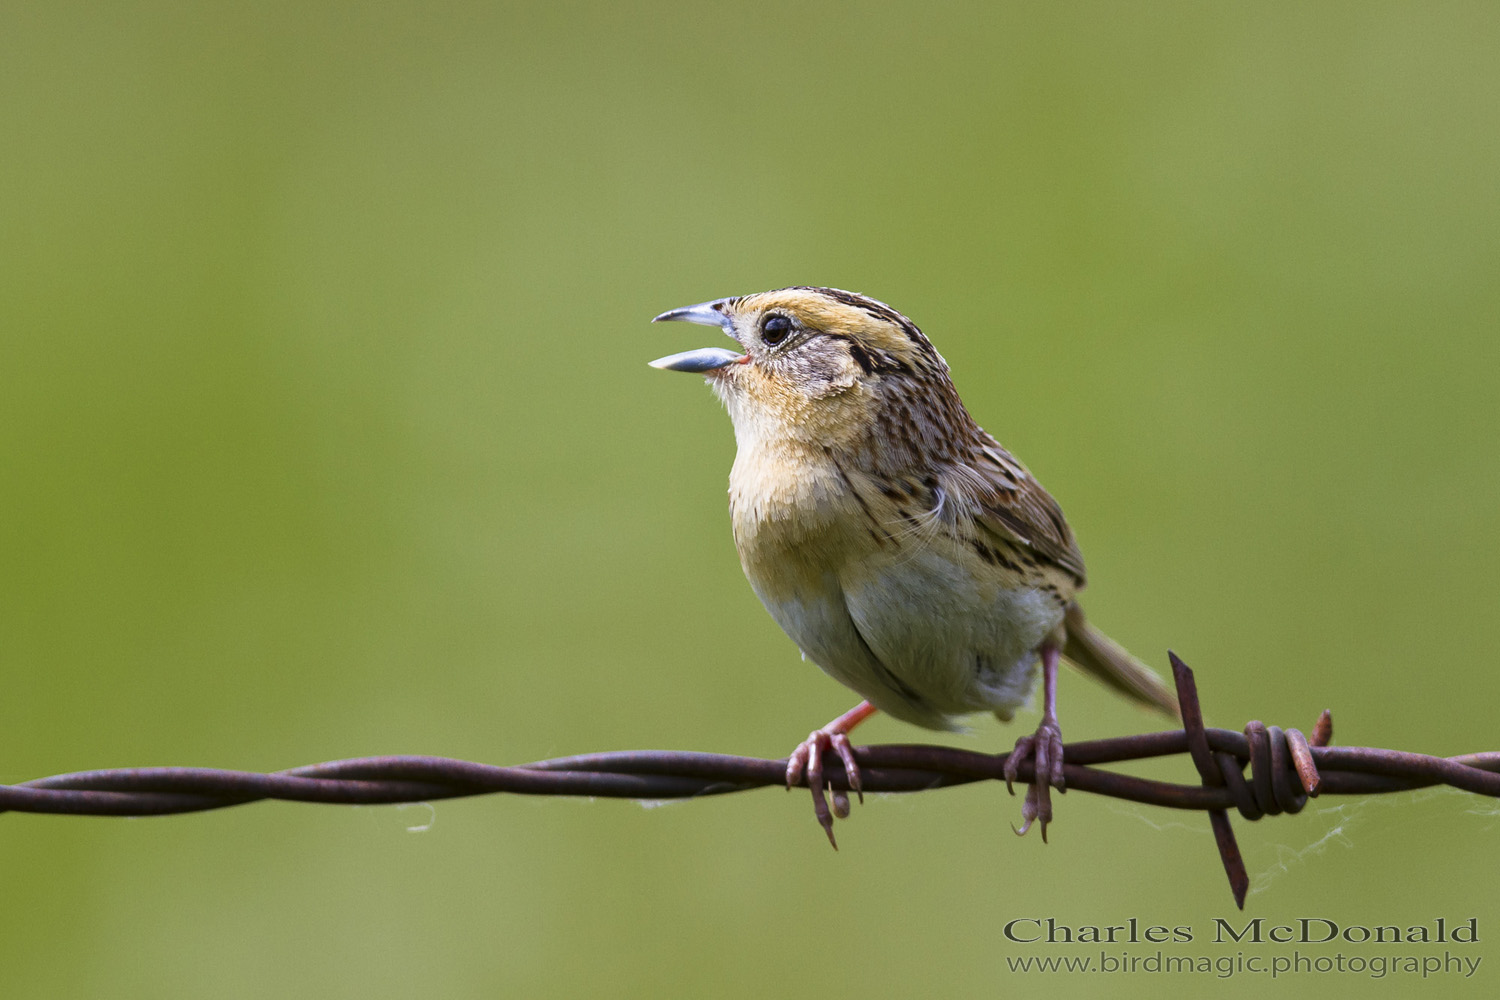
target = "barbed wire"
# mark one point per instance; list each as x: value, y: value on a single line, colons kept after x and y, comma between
x: 1286, y: 768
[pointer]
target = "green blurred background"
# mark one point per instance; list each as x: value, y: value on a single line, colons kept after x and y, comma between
x: 326, y: 430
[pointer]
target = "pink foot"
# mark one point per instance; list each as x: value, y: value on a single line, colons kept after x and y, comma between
x: 806, y: 762
x: 1045, y: 748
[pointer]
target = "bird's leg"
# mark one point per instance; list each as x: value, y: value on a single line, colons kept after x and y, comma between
x: 808, y: 759
x: 1045, y: 748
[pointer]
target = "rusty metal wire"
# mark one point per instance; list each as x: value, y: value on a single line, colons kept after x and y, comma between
x: 1286, y: 768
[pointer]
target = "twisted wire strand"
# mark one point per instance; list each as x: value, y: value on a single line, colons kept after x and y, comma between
x: 668, y: 774
x: 1286, y: 768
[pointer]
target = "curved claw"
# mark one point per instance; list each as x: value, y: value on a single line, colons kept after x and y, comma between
x: 1045, y: 748
x: 807, y: 762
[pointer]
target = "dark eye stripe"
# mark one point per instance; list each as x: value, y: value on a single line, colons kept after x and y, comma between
x: 880, y: 311
x: 872, y: 362
x: 861, y: 357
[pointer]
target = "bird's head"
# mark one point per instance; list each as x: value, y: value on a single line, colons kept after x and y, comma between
x: 814, y: 364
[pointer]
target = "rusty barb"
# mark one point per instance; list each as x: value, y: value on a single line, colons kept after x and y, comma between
x: 1286, y: 768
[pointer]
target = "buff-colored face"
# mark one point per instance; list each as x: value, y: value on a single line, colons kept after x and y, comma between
x: 810, y: 358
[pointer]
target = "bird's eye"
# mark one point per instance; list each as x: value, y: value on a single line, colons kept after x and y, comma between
x: 774, y: 330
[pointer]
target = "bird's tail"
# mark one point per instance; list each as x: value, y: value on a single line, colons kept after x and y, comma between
x: 1098, y: 654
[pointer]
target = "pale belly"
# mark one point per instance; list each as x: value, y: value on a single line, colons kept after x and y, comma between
x: 926, y: 636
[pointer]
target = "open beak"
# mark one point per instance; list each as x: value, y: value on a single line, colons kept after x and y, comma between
x: 704, y: 359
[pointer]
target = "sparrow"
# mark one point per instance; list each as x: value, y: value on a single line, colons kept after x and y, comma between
x: 902, y: 549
